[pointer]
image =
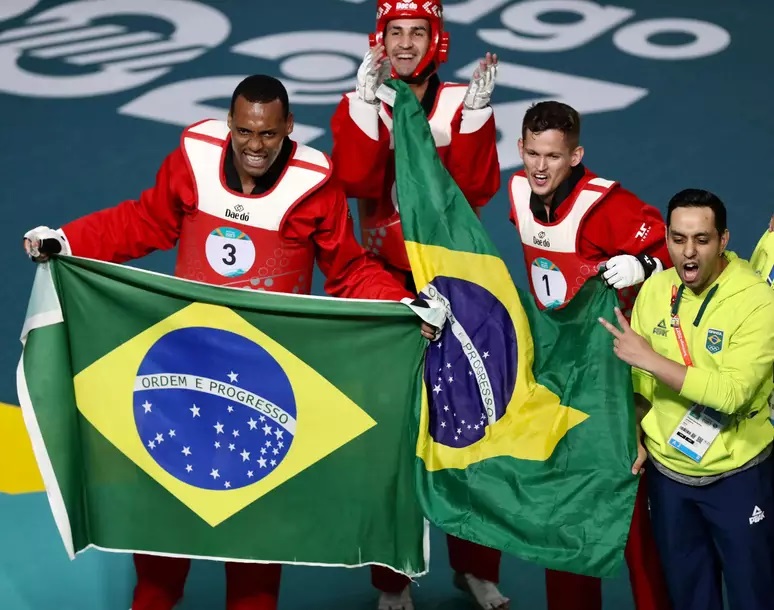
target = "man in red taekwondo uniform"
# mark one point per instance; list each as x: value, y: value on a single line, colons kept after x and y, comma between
x: 572, y: 222
x: 248, y: 208
x: 409, y: 43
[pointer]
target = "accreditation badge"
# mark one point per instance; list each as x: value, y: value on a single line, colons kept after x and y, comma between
x: 697, y: 431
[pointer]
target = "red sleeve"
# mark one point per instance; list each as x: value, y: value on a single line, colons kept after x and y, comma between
x: 135, y: 228
x: 361, y: 148
x: 624, y: 224
x: 472, y: 158
x: 350, y: 272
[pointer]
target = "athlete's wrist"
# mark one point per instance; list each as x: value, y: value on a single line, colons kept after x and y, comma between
x: 650, y: 264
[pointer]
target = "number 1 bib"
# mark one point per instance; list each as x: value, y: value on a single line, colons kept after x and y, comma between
x: 556, y: 270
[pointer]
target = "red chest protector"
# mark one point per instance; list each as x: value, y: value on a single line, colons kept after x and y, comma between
x: 556, y: 270
x: 380, y: 220
x: 234, y: 239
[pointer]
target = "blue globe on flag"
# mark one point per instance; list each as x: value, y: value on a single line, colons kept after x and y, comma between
x: 470, y: 371
x: 213, y: 409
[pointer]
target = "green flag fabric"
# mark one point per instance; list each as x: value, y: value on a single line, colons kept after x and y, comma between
x: 526, y: 431
x: 171, y: 417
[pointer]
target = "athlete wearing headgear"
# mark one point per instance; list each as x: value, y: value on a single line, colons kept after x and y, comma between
x: 409, y: 43
x: 438, y: 49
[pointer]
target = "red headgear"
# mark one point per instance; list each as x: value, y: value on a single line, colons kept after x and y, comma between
x: 437, y: 52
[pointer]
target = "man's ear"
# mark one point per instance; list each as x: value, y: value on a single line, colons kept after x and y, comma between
x: 290, y: 123
x: 577, y: 156
x: 724, y: 239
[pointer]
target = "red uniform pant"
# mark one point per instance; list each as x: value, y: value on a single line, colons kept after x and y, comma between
x: 160, y: 583
x: 465, y: 557
x: 566, y: 591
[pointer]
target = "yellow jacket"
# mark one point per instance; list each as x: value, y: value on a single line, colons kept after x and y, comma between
x: 763, y: 262
x: 731, y: 343
x: 763, y: 257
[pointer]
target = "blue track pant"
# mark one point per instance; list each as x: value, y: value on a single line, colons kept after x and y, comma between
x: 724, y: 528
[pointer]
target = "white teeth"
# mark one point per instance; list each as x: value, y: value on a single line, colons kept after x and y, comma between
x: 541, y: 176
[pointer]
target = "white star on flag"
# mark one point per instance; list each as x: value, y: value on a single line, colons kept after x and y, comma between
x: 233, y: 376
x: 147, y: 406
x: 195, y: 411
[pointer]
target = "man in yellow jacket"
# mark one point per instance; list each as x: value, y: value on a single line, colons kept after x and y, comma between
x: 763, y: 262
x: 701, y: 344
x: 763, y: 256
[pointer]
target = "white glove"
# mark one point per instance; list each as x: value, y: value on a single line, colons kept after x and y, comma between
x: 623, y: 271
x: 372, y: 73
x: 36, y: 236
x: 430, y: 311
x: 482, y: 84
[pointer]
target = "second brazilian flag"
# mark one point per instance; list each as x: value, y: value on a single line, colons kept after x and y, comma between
x: 526, y: 430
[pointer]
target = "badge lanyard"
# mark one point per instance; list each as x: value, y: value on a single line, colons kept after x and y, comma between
x: 677, y: 295
x: 701, y: 425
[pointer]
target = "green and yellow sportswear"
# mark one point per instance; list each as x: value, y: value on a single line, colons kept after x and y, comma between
x: 763, y: 257
x: 729, y: 329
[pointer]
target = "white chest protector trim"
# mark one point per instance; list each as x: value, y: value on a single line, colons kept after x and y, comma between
x: 447, y: 104
x: 557, y: 237
x: 262, y: 211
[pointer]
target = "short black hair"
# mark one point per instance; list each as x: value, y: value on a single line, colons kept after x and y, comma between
x: 544, y: 116
x: 261, y: 89
x: 699, y: 198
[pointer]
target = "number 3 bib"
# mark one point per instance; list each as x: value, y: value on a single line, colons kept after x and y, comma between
x: 234, y: 239
x: 556, y: 270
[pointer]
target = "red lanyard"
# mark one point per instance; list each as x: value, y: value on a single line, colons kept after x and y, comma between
x: 681, y: 342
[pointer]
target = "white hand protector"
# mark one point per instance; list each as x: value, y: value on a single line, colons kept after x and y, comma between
x: 479, y: 92
x: 38, y: 234
x: 431, y: 311
x: 372, y: 73
x: 623, y: 271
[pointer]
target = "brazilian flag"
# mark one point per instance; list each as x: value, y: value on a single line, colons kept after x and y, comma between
x: 526, y: 430
x: 171, y: 417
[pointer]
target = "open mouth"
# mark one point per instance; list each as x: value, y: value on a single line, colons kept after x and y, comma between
x: 255, y: 161
x: 404, y: 59
x: 690, y: 272
x: 540, y: 179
